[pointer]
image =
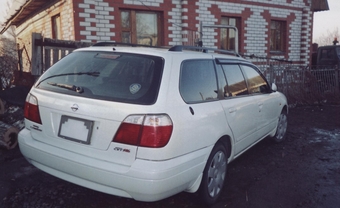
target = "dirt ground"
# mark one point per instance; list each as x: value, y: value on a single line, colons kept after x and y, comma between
x: 303, y: 171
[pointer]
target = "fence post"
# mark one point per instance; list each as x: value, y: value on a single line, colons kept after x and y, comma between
x: 37, y: 65
x: 337, y: 79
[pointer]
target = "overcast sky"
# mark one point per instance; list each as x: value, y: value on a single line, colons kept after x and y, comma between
x: 3, y: 8
x: 327, y: 20
x: 323, y: 21
x: 3, y: 5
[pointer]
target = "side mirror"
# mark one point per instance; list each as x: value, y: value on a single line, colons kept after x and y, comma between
x: 274, y: 87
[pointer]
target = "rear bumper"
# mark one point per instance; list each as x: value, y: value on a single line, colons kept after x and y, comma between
x: 144, y: 180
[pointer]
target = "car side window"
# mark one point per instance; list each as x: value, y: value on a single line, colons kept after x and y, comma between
x: 198, y: 81
x: 256, y: 83
x: 236, y: 84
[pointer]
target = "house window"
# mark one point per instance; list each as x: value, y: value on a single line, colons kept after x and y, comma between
x: 56, y: 27
x: 141, y: 27
x: 277, y: 34
x: 228, y: 35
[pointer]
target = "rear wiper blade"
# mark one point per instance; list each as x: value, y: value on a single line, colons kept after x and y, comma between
x: 95, y: 74
x: 66, y: 86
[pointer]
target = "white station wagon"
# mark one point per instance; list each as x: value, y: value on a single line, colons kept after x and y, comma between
x: 148, y: 123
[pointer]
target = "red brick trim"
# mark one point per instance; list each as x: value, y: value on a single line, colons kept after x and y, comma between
x: 167, y: 6
x: 246, y: 13
x: 117, y: 20
x: 245, y: 16
x: 119, y: 5
x: 217, y: 13
x: 191, y: 14
x: 77, y: 20
x: 290, y: 18
x: 269, y: 4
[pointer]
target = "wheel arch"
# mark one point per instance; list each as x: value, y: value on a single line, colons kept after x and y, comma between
x: 226, y: 141
x: 285, y: 108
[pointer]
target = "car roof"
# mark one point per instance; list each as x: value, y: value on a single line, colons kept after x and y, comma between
x: 190, y: 51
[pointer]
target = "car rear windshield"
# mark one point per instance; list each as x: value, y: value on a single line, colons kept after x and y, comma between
x: 121, y: 77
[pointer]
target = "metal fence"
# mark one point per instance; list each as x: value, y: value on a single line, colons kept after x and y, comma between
x: 305, y: 86
x: 302, y: 85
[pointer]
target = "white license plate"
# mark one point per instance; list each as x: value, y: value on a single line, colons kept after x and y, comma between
x: 75, y: 129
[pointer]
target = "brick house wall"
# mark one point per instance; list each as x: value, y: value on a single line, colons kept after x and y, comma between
x: 99, y: 20
x: 40, y: 22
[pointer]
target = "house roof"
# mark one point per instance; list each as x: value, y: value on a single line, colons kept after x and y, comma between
x: 21, y: 10
x: 320, y: 5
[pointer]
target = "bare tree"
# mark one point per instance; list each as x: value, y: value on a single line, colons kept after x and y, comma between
x: 8, y: 61
x: 8, y: 56
x: 328, y: 38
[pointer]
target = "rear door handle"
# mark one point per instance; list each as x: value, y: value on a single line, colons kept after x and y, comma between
x: 260, y: 106
x: 232, y: 110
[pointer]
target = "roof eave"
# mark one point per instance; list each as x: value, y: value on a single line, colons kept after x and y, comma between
x: 9, y: 22
x: 24, y: 12
x: 319, y: 5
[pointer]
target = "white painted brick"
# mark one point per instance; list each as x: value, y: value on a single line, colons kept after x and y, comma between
x: 84, y: 15
x: 84, y: 23
x: 110, y: 25
x: 128, y: 1
x: 103, y: 21
x: 109, y: 17
x: 90, y: 20
x: 89, y: 1
x: 104, y: 12
x: 110, y: 34
x: 256, y: 29
x: 109, y: 9
x: 103, y: 4
x: 91, y: 28
x: 99, y: 8
x: 91, y: 11
x: 85, y: 40
x: 104, y: 38
x: 104, y: 29
x: 99, y: 17
x: 85, y: 6
x: 91, y: 37
x: 100, y: 33
x: 100, y: 25
x: 85, y: 33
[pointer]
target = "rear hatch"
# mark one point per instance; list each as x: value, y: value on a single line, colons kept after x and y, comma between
x: 83, y: 99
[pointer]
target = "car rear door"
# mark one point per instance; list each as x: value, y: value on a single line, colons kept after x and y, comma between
x: 240, y: 108
x: 267, y: 103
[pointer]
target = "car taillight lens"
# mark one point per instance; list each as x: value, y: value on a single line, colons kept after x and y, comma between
x: 31, y: 111
x: 145, y: 130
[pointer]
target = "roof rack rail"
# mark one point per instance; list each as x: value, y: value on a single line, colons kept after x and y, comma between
x: 174, y: 48
x: 111, y: 43
x: 203, y: 49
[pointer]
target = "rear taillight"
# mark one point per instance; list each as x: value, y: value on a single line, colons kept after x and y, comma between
x: 145, y: 130
x: 31, y: 111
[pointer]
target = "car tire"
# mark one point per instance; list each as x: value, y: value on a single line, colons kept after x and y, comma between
x: 214, y: 175
x: 281, y: 129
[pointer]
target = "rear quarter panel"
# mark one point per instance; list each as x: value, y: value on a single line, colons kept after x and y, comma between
x: 191, y: 132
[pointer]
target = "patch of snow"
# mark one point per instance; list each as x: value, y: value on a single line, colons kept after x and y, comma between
x: 322, y: 135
